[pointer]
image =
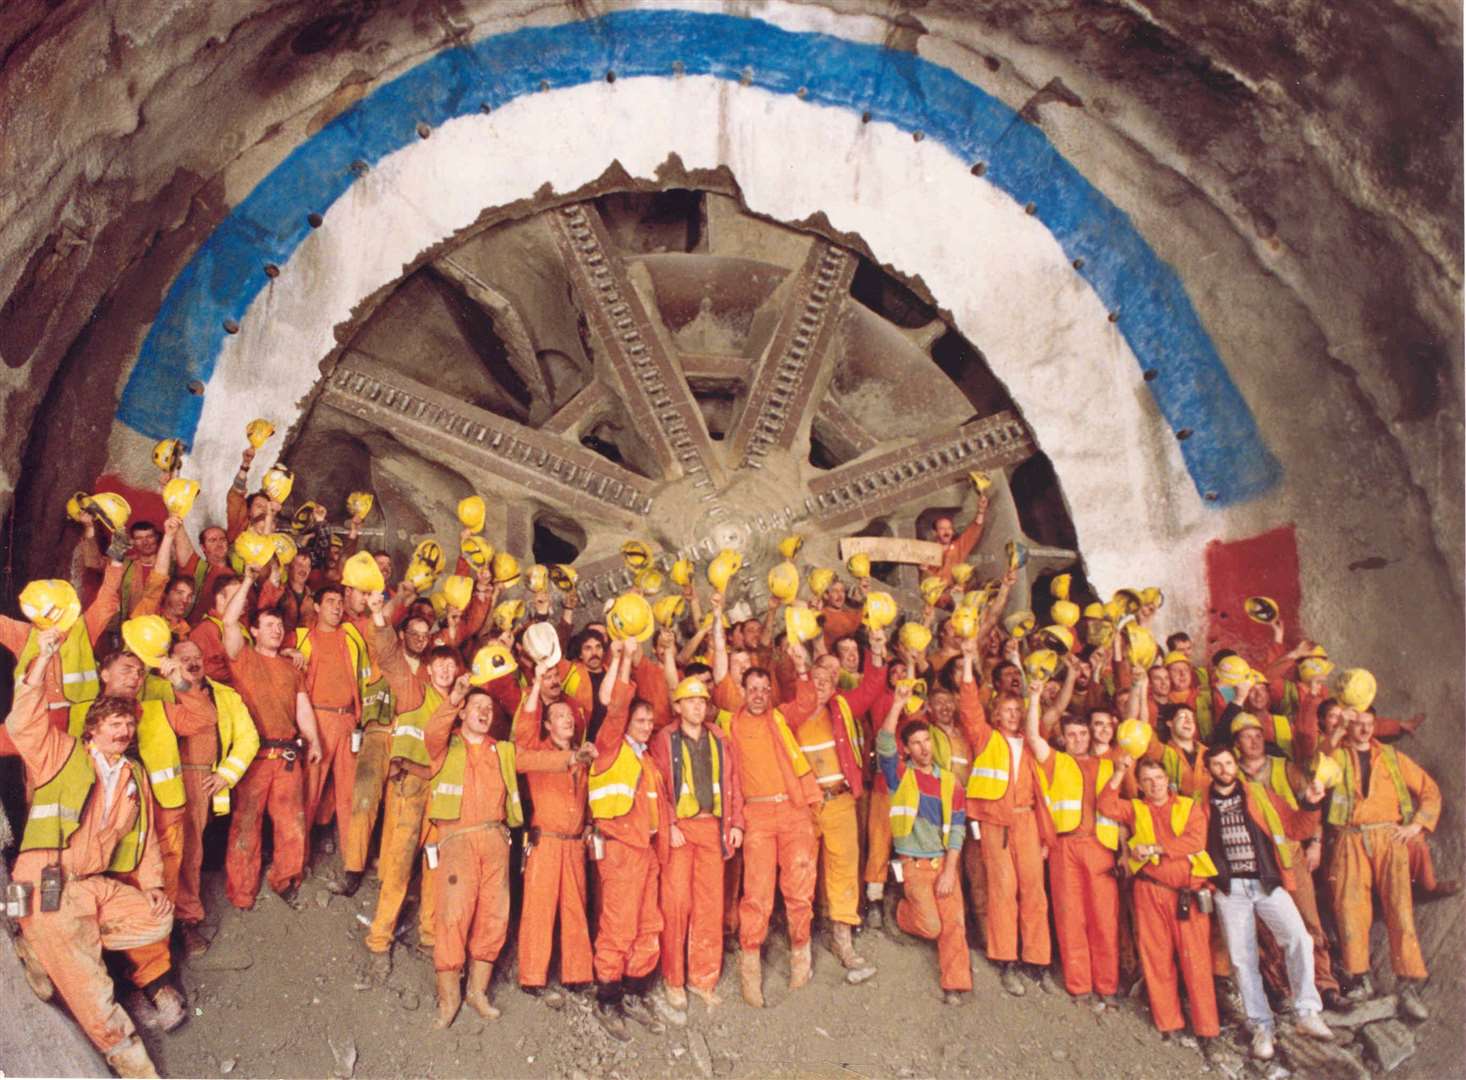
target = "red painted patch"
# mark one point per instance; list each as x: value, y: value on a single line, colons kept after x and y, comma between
x: 146, y: 505
x: 1262, y: 565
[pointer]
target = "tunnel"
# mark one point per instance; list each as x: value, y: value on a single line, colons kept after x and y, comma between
x: 1184, y: 280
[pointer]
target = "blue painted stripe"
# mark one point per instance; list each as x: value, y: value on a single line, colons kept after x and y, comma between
x: 1225, y: 453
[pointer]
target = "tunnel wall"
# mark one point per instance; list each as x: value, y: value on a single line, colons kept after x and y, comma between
x: 1302, y: 191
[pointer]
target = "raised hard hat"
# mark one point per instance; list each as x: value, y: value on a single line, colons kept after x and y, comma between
x: 179, y: 494
x: 477, y: 552
x: 167, y: 454
x: 50, y: 603
x: 1041, y: 665
x: 879, y: 611
x: 962, y: 573
x: 1095, y: 610
x: 631, y: 618
x: 669, y: 609
x: 980, y: 480
x: 1059, y: 587
x: 649, y: 581
x: 255, y: 550
x: 1020, y: 624
x: 278, y: 482
x: 932, y: 589
x: 721, y: 570
x: 507, y: 613
x: 285, y: 548
x: 1231, y: 670
x: 858, y: 565
x: 1017, y: 554
x: 915, y: 636
x: 1064, y: 612
x: 1058, y: 638
x: 471, y: 513
x: 820, y: 579
x: 1143, y: 647
x: 420, y: 576
x: 682, y: 573
x: 359, y: 504
x: 1152, y: 597
x: 1133, y: 736
x: 457, y: 590
x: 790, y: 545
x: 691, y: 687
x: 74, y: 505
x: 304, y: 517
x: 491, y: 662
x: 258, y: 432
x: 506, y: 568
x: 362, y: 572
x: 429, y: 551
x: 541, y: 643
x: 1127, y: 601
x: 1357, y: 688
x: 148, y: 637
x: 965, y: 622
x: 111, y: 507
x: 1313, y: 667
x: 784, y: 581
x: 637, y: 554
x: 801, y: 623
x: 563, y: 577
x: 538, y: 578
x: 1262, y: 609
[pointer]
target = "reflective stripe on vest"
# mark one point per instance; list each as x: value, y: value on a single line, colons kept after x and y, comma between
x: 157, y: 744
x: 79, y: 681
x: 1258, y: 794
x: 990, y: 771
x: 57, y: 806
x: 239, y: 741
x: 408, y: 740
x: 446, y: 801
x: 906, y: 802
x: 1341, y: 801
x: 613, y: 792
x: 1064, y: 796
x: 1201, y: 864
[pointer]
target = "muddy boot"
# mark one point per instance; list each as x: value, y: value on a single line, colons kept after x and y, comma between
x: 842, y: 944
x: 450, y: 997
x: 168, y: 1004
x: 708, y: 996
x: 608, y: 1011
x: 751, y: 977
x: 35, y: 975
x: 637, y: 1004
x: 479, y: 974
x: 131, y: 1059
x: 346, y: 884
x: 194, y: 942
x: 801, y: 966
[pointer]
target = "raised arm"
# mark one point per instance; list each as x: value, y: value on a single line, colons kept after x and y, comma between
x: 233, y: 634
x: 720, y: 641
x: 1032, y: 733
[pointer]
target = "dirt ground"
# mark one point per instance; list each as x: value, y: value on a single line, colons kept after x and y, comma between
x: 286, y: 993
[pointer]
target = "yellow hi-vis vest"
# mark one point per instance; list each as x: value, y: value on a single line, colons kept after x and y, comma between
x: 1274, y: 822
x: 989, y: 777
x: 1277, y: 780
x: 409, y: 739
x: 942, y: 749
x: 686, y: 797
x: 1201, y: 864
x: 79, y: 681
x: 906, y: 800
x: 446, y: 802
x: 157, y: 745
x: 58, y: 804
x: 239, y: 740
x: 218, y: 622
x: 356, y: 648
x: 613, y: 792
x: 1341, y: 801
x: 1064, y: 796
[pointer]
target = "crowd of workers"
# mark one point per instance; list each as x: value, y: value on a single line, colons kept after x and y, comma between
x: 971, y: 774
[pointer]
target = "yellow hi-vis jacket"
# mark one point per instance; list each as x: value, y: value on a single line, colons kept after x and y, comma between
x: 446, y: 803
x: 1201, y: 864
x: 79, y: 681
x: 239, y: 740
x: 612, y: 793
x: 57, y: 806
x: 409, y: 740
x: 157, y: 745
x: 1064, y: 796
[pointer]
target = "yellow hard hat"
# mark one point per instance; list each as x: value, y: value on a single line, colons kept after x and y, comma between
x: 1041, y: 665
x: 721, y: 570
x: 506, y: 568
x: 638, y: 555
x: 915, y: 704
x: 255, y: 550
x: 1064, y: 612
x: 1150, y: 596
x: 879, y: 611
x: 682, y: 573
x: 1059, y: 587
x: 707, y: 621
x: 74, y: 506
x: 1098, y: 632
x: 1262, y: 609
x: 1175, y: 656
x: 111, y: 507
x: 1357, y: 688
x: 1312, y: 667
x: 1327, y: 771
x: 285, y: 549
x: 1017, y: 554
x: 477, y: 552
x: 784, y: 581
x: 507, y: 613
x: 801, y: 623
x: 858, y: 565
x: 1058, y: 638
x: 649, y: 581
x: 690, y: 687
x: 962, y: 574
x: 1143, y: 648
x: 458, y: 591
x: 538, y: 578
x: 965, y: 622
x: 258, y: 432
x: 50, y: 602
x: 790, y: 545
x: 820, y: 579
x: 277, y: 483
x: 362, y: 572
x: 167, y: 454
x: 630, y: 617
x: 563, y: 577
x: 491, y: 662
x: 1020, y: 624
x: 304, y: 517
x: 1095, y: 610
x: 439, y: 602
x: 1243, y: 722
x: 1126, y: 601
x: 430, y: 552
x: 359, y: 504
x: 932, y: 589
x: 1133, y: 736
x: 1115, y: 610
x: 148, y: 637
x: 669, y: 609
x: 420, y: 576
x: 471, y: 513
x: 1318, y: 651
x: 179, y: 494
x: 1231, y: 670
x: 915, y: 636
x: 980, y: 480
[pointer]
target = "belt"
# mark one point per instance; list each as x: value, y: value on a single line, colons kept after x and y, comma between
x: 1370, y: 826
x: 781, y: 797
x: 536, y: 834
x: 339, y: 712
x: 834, y: 791
x: 935, y: 862
x: 288, y: 749
x: 496, y: 824
x: 198, y: 768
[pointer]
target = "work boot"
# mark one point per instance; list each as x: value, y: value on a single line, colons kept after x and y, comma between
x: 1362, y: 990
x: 1011, y: 980
x: 843, y: 946
x: 480, y: 972
x: 613, y: 1020
x: 170, y: 1007
x: 551, y: 997
x: 801, y: 966
x: 35, y: 975
x: 194, y: 942
x: 637, y: 1007
x: 291, y: 895
x: 751, y: 977
x: 1335, y: 1001
x: 1312, y: 1025
x: 131, y: 1059
x: 676, y: 996
x: 953, y: 997
x: 874, y: 916
x: 450, y: 998
x: 381, y: 965
x: 708, y: 995
x: 1411, y: 1007
x: 346, y: 884
x: 1262, y: 1044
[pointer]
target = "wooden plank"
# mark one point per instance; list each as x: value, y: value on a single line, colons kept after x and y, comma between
x: 892, y: 549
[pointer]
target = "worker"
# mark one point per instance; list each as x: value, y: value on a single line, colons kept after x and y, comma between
x: 337, y: 668
x: 630, y: 805
x: 475, y: 802
x: 1183, y: 755
x: 555, y: 848
x: 1247, y: 842
x: 88, y: 843
x: 928, y: 822
x: 1381, y: 802
x: 208, y: 632
x: 162, y: 594
x: 954, y: 735
x: 201, y: 567
x: 274, y: 783
x: 838, y: 619
x: 1170, y: 864
x: 956, y: 548
x: 705, y: 823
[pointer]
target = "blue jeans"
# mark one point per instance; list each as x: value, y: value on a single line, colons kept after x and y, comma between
x: 1238, y: 911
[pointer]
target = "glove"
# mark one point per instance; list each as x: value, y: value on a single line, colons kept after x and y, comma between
x: 117, y: 549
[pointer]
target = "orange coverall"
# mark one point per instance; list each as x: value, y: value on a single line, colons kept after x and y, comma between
x: 331, y: 683
x: 1086, y: 897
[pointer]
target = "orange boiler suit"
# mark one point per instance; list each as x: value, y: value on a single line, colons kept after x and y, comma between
x: 335, y: 693
x: 1086, y: 894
